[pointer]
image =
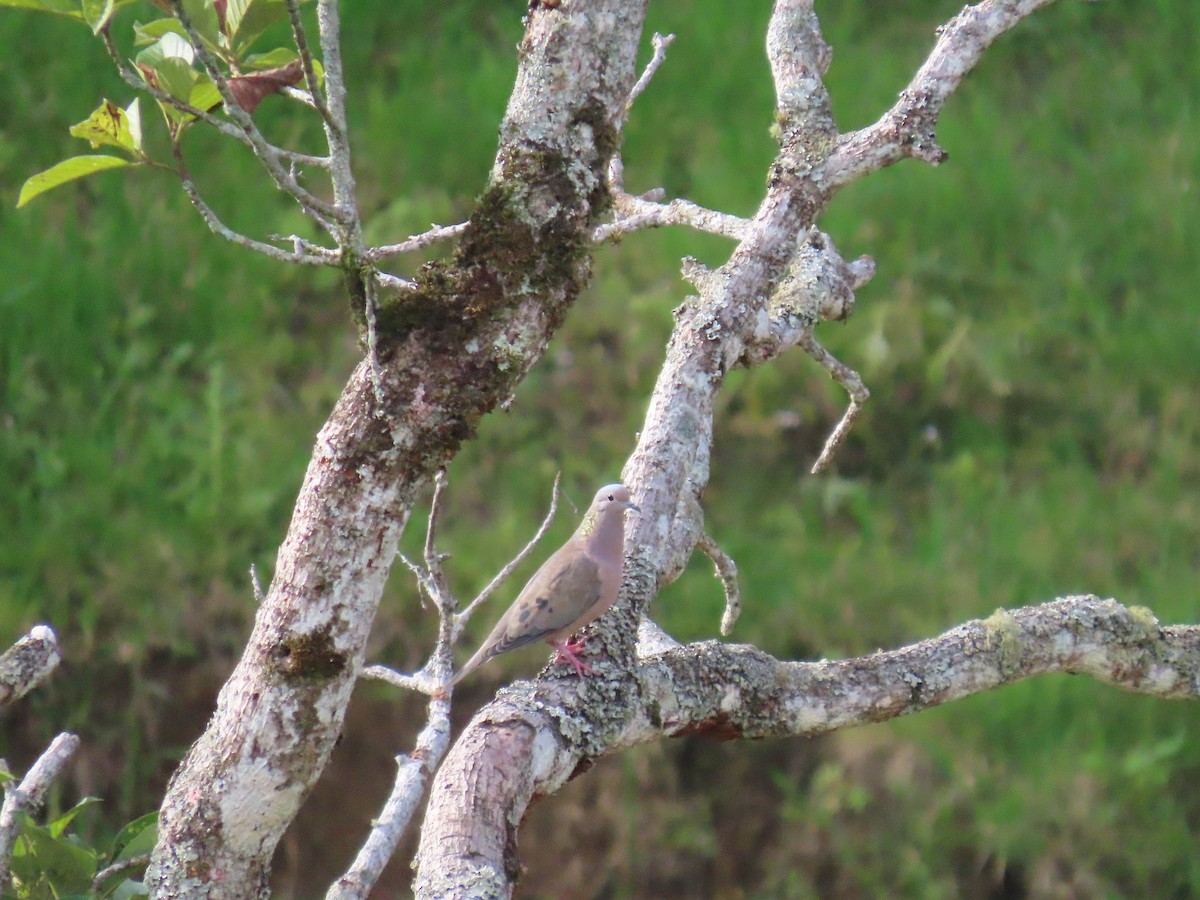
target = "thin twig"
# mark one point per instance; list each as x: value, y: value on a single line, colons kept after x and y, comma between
x: 461, y: 619
x: 726, y: 570
x: 848, y: 379
x: 419, y: 681
x: 121, y: 865
x: 255, y: 586
x: 416, y: 241
x: 661, y: 43
x: 383, y: 279
x: 373, y: 346
x: 216, y: 226
x: 433, y: 559
x: 306, y: 60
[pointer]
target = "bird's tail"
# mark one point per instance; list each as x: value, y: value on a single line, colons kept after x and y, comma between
x: 481, y: 656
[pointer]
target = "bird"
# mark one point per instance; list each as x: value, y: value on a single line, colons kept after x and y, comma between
x: 573, y: 588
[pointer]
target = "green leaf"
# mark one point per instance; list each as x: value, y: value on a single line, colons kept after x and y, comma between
x: 280, y: 56
x: 176, y: 77
x: 59, y: 825
x: 109, y: 126
x: 68, y: 8
x: 235, y: 11
x: 148, y: 33
x: 260, y: 15
x: 94, y: 13
x: 133, y: 113
x: 204, y: 17
x: 97, y: 12
x: 171, y: 45
x: 68, y: 866
x: 204, y: 94
x: 68, y: 170
x: 136, y: 837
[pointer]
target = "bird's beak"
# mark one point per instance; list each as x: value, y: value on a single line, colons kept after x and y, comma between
x: 629, y: 504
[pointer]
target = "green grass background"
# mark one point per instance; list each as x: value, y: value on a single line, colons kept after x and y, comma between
x: 1032, y: 343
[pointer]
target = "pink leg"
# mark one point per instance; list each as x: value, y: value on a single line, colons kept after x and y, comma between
x: 565, y: 652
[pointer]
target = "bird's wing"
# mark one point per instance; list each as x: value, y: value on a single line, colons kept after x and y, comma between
x: 559, y: 594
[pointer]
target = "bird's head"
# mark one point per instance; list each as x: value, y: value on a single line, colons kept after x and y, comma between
x: 613, y: 498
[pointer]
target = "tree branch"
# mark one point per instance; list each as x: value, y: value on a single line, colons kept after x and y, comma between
x: 450, y: 351
x: 781, y: 280
x: 26, y: 663
x: 738, y: 691
x: 29, y: 795
x: 908, y: 128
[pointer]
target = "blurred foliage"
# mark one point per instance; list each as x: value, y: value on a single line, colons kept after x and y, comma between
x: 1030, y: 342
x: 50, y: 861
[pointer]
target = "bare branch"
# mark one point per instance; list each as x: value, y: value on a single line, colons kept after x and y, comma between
x: 416, y: 241
x: 660, y: 44
x: 635, y: 214
x: 369, y: 287
x: 848, y: 379
x: 30, y: 793
x: 383, y: 279
x: 442, y: 595
x: 336, y: 134
x: 463, y: 617
x: 726, y: 570
x: 122, y: 865
x: 411, y: 779
x: 27, y: 662
x: 304, y: 258
x: 420, y: 682
x: 908, y: 128
x: 306, y: 61
x: 531, y: 740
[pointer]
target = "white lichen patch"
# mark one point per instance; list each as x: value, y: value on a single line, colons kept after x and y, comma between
x: 260, y: 806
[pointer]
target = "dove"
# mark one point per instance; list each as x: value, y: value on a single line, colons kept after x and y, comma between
x: 573, y: 588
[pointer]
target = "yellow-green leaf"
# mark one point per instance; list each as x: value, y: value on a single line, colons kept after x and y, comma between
x: 68, y: 170
x: 110, y: 126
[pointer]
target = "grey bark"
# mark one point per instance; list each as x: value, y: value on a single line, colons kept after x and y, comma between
x: 449, y: 352
x: 780, y: 282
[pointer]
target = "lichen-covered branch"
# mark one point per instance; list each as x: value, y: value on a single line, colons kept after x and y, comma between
x: 637, y: 213
x: 909, y: 128
x: 740, y: 691
x: 520, y: 747
x: 781, y: 281
x: 449, y: 351
x: 726, y: 570
x: 27, y: 662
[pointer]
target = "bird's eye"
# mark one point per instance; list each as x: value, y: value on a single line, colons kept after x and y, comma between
x: 610, y: 496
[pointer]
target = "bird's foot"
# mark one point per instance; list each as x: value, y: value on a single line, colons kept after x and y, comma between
x: 565, y: 651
